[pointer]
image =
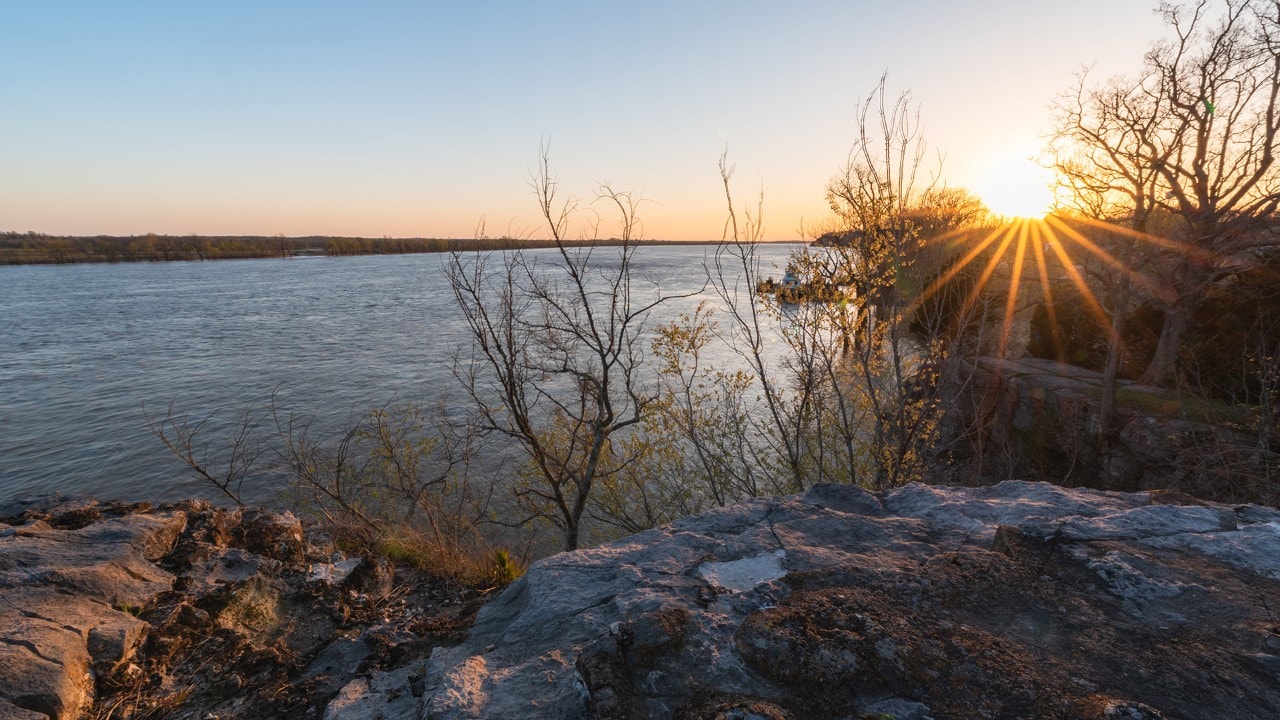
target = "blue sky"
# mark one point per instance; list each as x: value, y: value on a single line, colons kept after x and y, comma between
x: 421, y: 118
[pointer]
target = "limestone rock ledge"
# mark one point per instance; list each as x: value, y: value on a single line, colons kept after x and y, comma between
x: 1020, y: 600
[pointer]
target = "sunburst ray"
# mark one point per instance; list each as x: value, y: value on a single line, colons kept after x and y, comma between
x: 1110, y: 260
x: 1046, y: 288
x: 1015, y: 278
x: 956, y: 269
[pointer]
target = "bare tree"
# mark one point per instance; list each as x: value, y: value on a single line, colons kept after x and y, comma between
x: 778, y: 429
x: 395, y: 466
x: 1099, y: 145
x: 698, y: 448
x: 876, y: 191
x: 397, y: 475
x: 884, y: 382
x: 557, y: 347
x: 1192, y: 136
x: 224, y: 465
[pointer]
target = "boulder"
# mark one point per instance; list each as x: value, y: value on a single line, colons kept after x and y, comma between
x: 1037, y: 418
x: 69, y: 597
x: 924, y: 602
x: 9, y: 711
x: 270, y: 534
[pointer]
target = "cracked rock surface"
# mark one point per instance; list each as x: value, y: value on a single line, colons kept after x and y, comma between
x: 1020, y: 600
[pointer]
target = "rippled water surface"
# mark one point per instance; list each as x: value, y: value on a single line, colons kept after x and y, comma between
x: 85, y: 350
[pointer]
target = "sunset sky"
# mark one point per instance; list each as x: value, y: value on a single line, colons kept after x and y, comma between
x: 421, y: 118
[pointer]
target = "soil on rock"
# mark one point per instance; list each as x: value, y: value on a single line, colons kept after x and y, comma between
x: 277, y: 633
x: 1017, y: 633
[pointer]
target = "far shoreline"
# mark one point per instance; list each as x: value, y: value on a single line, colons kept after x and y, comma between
x: 32, y: 248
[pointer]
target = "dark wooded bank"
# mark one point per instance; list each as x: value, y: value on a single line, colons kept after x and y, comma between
x: 34, y: 248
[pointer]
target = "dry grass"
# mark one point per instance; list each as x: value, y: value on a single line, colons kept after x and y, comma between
x: 473, y: 562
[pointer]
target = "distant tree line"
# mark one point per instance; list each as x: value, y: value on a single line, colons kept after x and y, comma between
x: 36, y: 248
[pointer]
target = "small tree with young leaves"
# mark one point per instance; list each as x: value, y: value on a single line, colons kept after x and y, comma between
x: 699, y: 448
x: 853, y: 398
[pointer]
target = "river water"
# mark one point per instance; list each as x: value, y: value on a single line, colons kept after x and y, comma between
x: 88, y: 351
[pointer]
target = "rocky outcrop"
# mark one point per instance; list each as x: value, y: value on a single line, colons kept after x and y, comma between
x: 1038, y: 419
x: 69, y: 596
x: 195, y: 611
x: 1022, y: 600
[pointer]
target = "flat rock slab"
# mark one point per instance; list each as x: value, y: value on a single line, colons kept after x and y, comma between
x: 67, y: 604
x: 1016, y: 600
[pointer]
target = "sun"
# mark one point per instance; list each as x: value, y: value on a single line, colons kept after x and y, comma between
x: 1013, y: 185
